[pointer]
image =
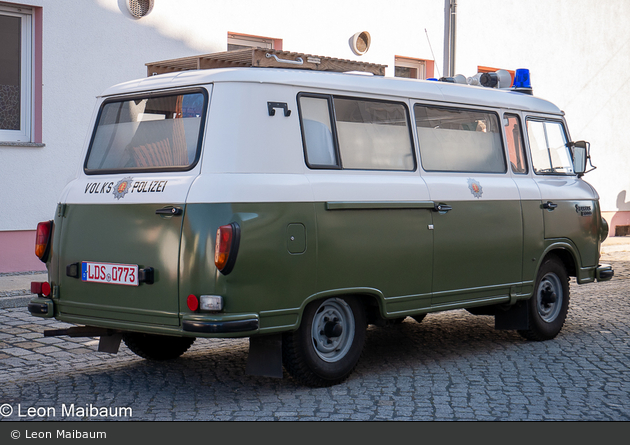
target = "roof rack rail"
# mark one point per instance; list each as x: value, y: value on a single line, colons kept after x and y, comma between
x: 264, y: 58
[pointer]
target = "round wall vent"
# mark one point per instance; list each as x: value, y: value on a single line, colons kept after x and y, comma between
x: 360, y: 42
x: 139, y: 8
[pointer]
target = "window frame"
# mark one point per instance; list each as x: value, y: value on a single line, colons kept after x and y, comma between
x: 567, y: 139
x: 456, y: 108
x: 149, y: 95
x: 250, y: 41
x: 25, y: 133
x: 332, y: 115
x: 420, y: 65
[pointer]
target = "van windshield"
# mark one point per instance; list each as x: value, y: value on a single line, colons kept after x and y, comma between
x: 157, y: 133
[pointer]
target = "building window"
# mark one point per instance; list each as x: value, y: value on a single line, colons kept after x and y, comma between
x: 16, y: 62
x: 412, y: 68
x: 242, y: 41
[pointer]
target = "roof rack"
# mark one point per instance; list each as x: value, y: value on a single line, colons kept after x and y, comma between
x: 262, y: 57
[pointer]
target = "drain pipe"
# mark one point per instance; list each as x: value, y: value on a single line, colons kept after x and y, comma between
x: 450, y: 32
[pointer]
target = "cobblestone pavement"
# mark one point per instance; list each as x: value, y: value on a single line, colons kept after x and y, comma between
x: 452, y: 366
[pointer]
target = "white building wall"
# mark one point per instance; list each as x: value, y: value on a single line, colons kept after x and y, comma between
x: 90, y: 45
x: 578, y: 52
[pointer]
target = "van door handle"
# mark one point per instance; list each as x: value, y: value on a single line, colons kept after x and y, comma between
x: 171, y: 211
x: 442, y: 208
x: 549, y: 205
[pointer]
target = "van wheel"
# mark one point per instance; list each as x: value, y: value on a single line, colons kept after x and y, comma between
x: 549, y: 305
x: 157, y: 347
x: 328, y: 344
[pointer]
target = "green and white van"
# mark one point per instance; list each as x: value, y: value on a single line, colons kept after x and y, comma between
x: 297, y: 207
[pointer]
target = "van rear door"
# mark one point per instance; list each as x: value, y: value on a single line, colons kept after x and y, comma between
x: 121, y: 221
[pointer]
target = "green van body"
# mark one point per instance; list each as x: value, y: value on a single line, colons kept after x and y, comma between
x: 451, y: 240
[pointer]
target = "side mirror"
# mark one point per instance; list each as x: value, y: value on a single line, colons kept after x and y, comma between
x: 581, y: 155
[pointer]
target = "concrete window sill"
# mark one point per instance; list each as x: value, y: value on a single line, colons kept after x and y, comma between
x: 21, y: 144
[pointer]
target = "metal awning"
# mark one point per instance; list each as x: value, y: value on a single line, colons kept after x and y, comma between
x: 264, y: 58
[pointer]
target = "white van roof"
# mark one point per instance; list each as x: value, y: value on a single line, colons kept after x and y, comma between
x: 344, y: 83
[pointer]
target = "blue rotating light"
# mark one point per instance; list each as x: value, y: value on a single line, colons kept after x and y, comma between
x: 522, y: 82
x: 521, y: 78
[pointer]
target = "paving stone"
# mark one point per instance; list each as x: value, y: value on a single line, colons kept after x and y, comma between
x: 452, y: 366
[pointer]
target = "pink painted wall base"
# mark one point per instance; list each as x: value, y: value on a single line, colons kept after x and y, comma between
x: 17, y: 252
x: 618, y: 222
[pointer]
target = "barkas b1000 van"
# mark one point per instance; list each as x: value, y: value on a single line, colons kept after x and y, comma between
x: 296, y: 207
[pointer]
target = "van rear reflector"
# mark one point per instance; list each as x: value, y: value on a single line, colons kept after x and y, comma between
x: 192, y: 302
x: 40, y: 288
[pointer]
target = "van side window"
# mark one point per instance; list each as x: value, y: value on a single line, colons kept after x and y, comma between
x: 367, y: 135
x: 514, y: 140
x: 373, y: 135
x: 548, y: 144
x: 318, y: 132
x: 459, y: 140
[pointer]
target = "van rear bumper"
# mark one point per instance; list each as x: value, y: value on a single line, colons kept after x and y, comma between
x: 42, y: 307
x: 220, y: 327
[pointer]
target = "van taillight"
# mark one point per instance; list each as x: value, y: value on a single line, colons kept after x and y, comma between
x: 226, y: 247
x: 42, y: 240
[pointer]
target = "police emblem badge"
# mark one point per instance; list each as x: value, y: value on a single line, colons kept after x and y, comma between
x: 122, y: 188
x: 475, y: 188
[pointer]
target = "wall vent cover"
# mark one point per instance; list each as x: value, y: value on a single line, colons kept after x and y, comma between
x: 139, y: 8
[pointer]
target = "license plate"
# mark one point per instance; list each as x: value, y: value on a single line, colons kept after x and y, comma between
x: 111, y: 273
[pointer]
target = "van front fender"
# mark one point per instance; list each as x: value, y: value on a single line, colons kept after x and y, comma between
x: 569, y: 254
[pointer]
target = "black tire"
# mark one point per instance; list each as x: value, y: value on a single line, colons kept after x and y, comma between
x: 157, y: 347
x: 548, y: 307
x: 328, y: 344
x: 419, y: 317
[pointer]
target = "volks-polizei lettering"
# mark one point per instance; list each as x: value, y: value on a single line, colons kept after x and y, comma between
x: 95, y: 188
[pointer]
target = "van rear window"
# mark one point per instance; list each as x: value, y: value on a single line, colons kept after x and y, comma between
x: 459, y: 140
x: 156, y: 133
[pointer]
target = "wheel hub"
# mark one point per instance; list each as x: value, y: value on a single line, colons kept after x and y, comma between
x: 549, y: 297
x: 332, y: 331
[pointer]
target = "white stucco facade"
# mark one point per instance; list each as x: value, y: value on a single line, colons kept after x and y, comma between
x: 577, y: 50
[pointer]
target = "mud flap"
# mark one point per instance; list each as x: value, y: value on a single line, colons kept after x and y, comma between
x: 514, y: 318
x: 265, y: 356
x: 110, y: 343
